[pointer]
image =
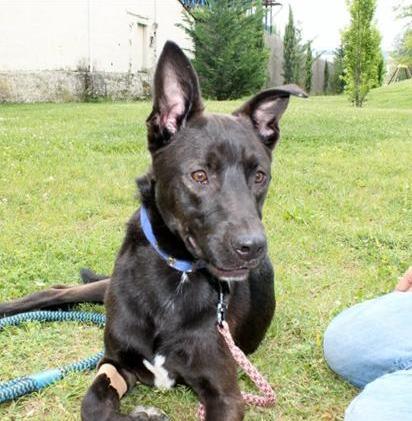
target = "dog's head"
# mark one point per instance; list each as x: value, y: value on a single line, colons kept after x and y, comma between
x: 211, y: 172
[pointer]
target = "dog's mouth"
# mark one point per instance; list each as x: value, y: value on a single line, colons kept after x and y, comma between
x: 222, y: 273
x: 236, y: 274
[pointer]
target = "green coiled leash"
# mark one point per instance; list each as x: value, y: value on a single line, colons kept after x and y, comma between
x: 27, y: 384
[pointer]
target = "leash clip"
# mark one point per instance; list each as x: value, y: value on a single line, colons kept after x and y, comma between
x: 221, y: 309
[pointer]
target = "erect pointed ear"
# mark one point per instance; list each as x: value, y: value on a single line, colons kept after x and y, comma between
x: 266, y: 109
x: 176, y: 95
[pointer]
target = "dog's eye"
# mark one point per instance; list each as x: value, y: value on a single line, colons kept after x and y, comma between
x: 260, y: 177
x: 200, y: 176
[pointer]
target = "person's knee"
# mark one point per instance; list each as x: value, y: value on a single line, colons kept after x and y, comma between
x: 385, y: 399
x: 370, y: 339
x: 341, y: 346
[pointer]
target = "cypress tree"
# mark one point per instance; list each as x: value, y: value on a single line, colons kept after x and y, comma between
x: 326, y: 78
x: 229, y: 52
x: 337, y: 80
x: 308, y: 68
x: 290, y: 56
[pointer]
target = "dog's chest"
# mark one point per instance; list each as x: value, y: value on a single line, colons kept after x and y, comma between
x: 175, y: 314
x: 161, y: 377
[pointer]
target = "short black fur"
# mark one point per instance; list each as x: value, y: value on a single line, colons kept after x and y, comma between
x: 204, y: 195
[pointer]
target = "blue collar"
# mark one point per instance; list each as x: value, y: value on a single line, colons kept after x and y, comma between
x: 180, y: 265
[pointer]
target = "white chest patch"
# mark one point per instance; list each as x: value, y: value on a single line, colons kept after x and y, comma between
x: 161, y: 375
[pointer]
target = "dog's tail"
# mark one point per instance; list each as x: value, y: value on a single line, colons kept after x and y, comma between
x: 61, y: 296
x: 88, y: 276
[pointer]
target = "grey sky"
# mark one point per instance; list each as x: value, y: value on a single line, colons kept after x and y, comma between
x: 322, y: 21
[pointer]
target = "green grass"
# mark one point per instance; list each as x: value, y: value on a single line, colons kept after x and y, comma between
x: 338, y: 217
x: 397, y: 95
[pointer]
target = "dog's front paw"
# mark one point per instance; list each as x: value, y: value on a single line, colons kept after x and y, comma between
x: 148, y: 413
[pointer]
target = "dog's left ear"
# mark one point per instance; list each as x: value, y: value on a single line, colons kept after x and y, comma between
x: 266, y: 109
x: 176, y: 95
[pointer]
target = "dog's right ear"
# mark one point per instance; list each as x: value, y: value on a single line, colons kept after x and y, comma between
x: 266, y: 109
x: 176, y: 96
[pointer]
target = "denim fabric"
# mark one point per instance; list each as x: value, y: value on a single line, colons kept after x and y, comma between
x: 387, y: 398
x: 367, y: 341
x: 371, y: 339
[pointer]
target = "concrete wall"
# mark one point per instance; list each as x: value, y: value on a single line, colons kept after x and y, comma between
x: 275, y: 66
x: 275, y: 44
x: 46, y: 46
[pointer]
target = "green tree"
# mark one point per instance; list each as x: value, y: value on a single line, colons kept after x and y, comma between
x: 405, y: 11
x: 361, y: 42
x: 290, y: 51
x: 229, y: 52
x: 381, y: 70
x: 301, y: 49
x: 308, y: 68
x: 403, y: 52
x: 337, y: 83
x: 326, y: 78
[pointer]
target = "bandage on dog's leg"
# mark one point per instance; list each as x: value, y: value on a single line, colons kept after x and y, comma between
x: 102, y: 400
x: 116, y: 379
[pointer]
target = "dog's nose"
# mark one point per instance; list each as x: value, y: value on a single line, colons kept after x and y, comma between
x: 249, y: 247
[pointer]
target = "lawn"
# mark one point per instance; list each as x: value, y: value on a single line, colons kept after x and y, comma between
x: 338, y: 217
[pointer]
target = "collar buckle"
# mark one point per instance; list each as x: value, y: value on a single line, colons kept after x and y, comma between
x: 171, y: 261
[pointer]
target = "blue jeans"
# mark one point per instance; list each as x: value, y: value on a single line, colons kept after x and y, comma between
x: 370, y: 346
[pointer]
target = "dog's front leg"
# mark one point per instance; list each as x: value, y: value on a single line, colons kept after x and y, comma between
x: 224, y: 407
x: 102, y: 400
x: 214, y: 380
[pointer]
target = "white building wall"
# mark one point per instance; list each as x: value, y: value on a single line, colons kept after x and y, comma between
x: 68, y: 34
x: 170, y: 15
x: 109, y: 36
x: 40, y: 35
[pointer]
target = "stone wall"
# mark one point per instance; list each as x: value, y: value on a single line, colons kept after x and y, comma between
x: 62, y: 86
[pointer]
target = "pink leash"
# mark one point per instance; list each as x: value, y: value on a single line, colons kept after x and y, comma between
x: 267, y: 397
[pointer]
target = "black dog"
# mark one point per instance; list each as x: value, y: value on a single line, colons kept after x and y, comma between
x: 203, y: 201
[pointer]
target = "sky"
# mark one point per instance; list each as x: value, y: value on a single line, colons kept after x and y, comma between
x: 322, y: 21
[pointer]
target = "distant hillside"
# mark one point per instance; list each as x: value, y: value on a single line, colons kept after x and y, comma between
x: 397, y: 95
